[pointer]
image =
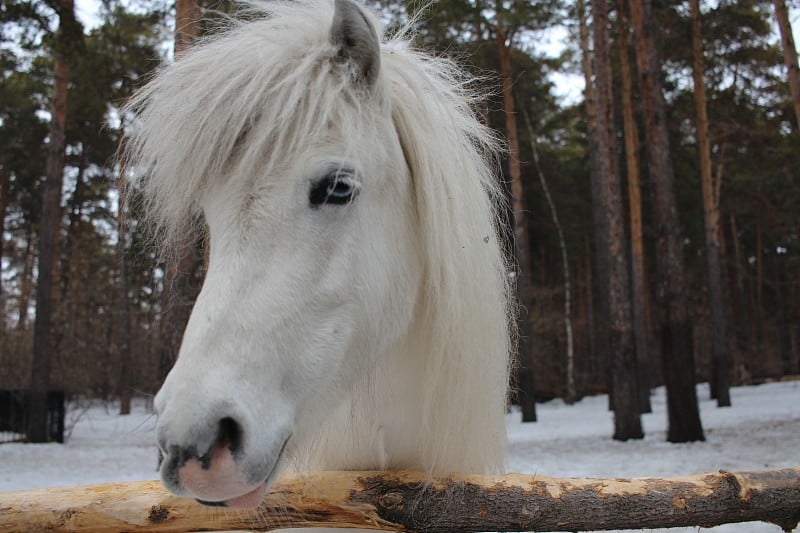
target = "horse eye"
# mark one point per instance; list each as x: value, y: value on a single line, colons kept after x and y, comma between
x: 339, y: 187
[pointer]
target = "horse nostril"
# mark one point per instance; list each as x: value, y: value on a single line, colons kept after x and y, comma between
x: 229, y: 435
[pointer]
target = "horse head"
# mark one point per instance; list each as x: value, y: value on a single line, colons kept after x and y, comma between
x: 354, y: 308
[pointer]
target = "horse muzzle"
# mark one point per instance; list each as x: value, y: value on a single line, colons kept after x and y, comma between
x: 215, y: 455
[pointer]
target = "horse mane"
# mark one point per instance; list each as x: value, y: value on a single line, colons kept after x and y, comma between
x: 452, y: 160
x: 283, y: 55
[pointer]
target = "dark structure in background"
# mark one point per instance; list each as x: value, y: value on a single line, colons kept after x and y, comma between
x: 14, y: 415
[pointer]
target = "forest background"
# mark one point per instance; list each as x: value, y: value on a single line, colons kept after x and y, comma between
x: 656, y: 215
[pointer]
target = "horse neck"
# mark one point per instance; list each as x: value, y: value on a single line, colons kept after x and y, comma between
x: 388, y: 421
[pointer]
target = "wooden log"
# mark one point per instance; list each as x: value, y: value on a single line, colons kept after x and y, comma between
x: 408, y: 501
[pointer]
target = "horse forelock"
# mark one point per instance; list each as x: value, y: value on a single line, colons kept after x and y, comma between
x: 236, y: 107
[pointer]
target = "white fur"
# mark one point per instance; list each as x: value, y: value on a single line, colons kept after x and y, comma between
x: 376, y: 334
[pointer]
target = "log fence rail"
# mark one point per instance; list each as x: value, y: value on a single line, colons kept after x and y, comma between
x: 410, y: 501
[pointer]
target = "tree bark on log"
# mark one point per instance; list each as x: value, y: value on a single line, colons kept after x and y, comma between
x: 408, y: 501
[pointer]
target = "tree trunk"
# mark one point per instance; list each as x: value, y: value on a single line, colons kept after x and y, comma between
x: 759, y: 271
x: 183, y: 272
x: 795, y: 338
x: 600, y: 335
x: 572, y: 393
x: 521, y: 245
x: 627, y: 420
x: 478, y: 22
x: 676, y: 331
x: 409, y: 501
x: 188, y: 25
x: 728, y: 289
x: 783, y: 334
x: 26, y: 283
x: 73, y: 236
x: 590, y: 306
x: 739, y: 302
x: 4, y: 192
x: 124, y: 336
x: 183, y: 280
x: 49, y: 226
x: 123, y: 333
x: 719, y: 337
x: 641, y: 331
x: 757, y: 295
x: 789, y: 55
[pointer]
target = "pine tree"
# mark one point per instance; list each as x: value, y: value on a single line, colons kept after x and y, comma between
x: 639, y: 296
x: 719, y: 336
x: 610, y: 237
x: 504, y: 36
x: 69, y: 33
x: 789, y: 55
x: 675, y: 328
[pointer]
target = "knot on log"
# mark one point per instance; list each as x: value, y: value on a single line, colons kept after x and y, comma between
x: 392, y: 500
x: 158, y: 514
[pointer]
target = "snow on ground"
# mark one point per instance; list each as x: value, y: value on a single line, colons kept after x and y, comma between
x: 102, y: 447
x: 761, y: 430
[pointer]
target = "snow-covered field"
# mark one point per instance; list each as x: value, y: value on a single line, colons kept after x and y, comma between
x: 761, y: 430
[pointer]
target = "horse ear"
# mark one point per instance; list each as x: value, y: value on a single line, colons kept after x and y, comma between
x: 356, y: 41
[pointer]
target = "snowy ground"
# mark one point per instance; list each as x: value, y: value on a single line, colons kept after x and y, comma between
x: 761, y: 430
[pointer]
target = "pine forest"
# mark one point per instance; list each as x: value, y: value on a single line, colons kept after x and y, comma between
x: 652, y: 168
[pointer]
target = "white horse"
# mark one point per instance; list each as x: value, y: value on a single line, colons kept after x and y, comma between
x: 355, y: 311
